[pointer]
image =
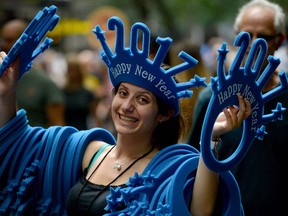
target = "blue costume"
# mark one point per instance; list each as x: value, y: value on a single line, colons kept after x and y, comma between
x: 38, y: 174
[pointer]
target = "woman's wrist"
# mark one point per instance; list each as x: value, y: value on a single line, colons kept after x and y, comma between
x: 214, y: 144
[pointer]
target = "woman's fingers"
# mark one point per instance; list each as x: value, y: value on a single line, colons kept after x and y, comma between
x: 248, y: 110
x: 235, y: 115
x: 13, y: 69
x: 9, y: 79
x: 2, y: 56
x: 240, y: 113
x: 244, y: 108
x: 232, y: 117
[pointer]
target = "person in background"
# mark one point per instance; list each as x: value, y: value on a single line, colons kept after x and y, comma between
x: 282, y: 53
x: 208, y: 53
x: 80, y: 103
x: 261, y: 174
x: 188, y: 104
x: 36, y: 92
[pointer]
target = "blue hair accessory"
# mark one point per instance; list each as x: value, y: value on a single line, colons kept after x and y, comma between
x: 248, y: 81
x: 133, y: 65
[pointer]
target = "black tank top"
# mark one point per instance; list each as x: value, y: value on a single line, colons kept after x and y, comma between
x: 87, y: 191
x: 90, y: 190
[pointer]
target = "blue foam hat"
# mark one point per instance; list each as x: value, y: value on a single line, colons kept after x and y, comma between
x: 133, y: 65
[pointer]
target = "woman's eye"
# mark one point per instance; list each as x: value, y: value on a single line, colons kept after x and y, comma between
x: 143, y: 100
x: 122, y: 93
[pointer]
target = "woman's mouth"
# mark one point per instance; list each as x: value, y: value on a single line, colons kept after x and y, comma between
x: 127, y: 119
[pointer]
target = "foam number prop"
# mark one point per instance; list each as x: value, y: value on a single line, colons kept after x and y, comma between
x: 133, y: 64
x: 244, y: 80
x: 28, y: 46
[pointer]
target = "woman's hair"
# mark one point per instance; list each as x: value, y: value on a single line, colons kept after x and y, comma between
x: 170, y: 131
x: 279, y: 21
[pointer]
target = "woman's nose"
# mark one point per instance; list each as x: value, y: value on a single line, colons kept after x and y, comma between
x: 128, y: 105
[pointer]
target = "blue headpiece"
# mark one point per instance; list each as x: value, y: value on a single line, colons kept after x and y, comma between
x: 134, y: 66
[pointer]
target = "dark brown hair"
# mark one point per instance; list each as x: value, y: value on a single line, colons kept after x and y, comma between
x: 167, y: 132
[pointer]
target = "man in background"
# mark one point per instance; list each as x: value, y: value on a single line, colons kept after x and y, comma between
x: 261, y: 174
x: 42, y: 99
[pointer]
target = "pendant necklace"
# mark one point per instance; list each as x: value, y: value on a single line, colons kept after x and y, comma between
x: 118, y: 165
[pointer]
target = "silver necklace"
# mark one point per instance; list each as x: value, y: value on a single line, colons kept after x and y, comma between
x: 117, y: 165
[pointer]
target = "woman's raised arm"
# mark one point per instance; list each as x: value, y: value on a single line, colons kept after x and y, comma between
x: 8, y: 84
x: 206, y: 181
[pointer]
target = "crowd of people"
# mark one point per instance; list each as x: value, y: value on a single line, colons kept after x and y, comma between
x: 144, y: 124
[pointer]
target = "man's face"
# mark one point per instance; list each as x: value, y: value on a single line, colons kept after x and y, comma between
x: 259, y: 22
x: 9, y: 35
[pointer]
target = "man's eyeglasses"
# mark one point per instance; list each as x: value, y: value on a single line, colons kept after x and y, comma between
x: 268, y: 38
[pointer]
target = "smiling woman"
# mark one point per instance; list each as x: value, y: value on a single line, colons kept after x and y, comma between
x: 90, y: 172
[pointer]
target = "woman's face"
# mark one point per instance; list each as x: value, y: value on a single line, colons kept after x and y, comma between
x: 134, y: 110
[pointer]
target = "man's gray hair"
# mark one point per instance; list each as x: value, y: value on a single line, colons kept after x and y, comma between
x: 279, y: 21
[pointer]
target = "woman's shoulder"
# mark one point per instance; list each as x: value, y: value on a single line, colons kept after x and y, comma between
x: 92, y: 148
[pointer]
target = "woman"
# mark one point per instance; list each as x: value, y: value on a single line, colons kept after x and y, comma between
x: 147, y: 121
x: 137, y: 113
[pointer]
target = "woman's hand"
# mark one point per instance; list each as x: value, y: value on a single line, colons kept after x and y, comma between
x: 9, y: 79
x: 8, y: 85
x: 231, y: 117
